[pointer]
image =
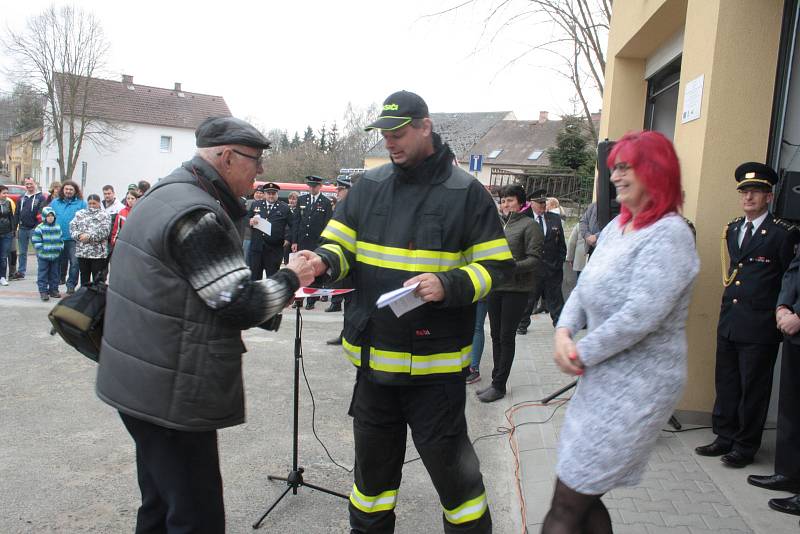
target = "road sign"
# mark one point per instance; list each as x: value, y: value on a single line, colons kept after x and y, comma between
x: 475, y: 163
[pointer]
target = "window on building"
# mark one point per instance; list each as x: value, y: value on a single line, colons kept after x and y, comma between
x: 536, y: 154
x: 166, y: 143
x: 662, y: 99
x: 494, y: 153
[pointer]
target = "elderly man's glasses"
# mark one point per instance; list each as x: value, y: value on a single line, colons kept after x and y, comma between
x: 258, y: 159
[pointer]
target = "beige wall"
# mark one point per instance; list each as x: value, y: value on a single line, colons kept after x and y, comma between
x: 725, y: 41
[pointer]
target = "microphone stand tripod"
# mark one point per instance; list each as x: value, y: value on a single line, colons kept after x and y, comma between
x: 295, y: 478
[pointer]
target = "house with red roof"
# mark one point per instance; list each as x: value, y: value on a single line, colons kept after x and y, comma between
x: 153, y: 134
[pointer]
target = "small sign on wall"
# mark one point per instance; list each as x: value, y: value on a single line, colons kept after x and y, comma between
x: 692, y: 100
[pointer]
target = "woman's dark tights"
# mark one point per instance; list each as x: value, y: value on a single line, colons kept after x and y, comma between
x: 575, y: 513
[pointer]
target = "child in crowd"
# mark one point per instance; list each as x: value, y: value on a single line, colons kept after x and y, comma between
x: 48, y: 243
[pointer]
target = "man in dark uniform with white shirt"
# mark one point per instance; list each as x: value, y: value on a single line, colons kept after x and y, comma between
x: 759, y: 249
x: 266, y: 250
x: 314, y: 210
x: 787, y: 444
x: 554, y: 252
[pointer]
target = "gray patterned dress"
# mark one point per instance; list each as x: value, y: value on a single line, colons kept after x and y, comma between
x: 633, y: 296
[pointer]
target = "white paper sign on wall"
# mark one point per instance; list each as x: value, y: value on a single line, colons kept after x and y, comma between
x: 692, y: 100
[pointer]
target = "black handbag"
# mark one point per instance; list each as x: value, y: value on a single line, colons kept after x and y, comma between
x: 78, y: 319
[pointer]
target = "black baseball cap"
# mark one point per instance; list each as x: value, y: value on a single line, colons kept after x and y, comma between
x: 399, y: 109
x: 754, y: 174
x: 218, y: 131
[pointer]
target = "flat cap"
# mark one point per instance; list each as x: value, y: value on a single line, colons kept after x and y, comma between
x: 218, y: 131
x: 754, y: 174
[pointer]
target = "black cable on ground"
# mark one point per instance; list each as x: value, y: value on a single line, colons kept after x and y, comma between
x: 314, y: 409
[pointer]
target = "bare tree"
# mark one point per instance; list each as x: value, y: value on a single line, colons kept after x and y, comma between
x: 60, y: 51
x: 579, y: 36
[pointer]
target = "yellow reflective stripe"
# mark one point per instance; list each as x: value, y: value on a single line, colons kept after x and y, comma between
x: 469, y: 511
x: 480, y: 278
x: 352, y: 352
x: 379, y: 503
x: 389, y: 361
x: 408, y: 260
x: 496, y: 249
x: 446, y: 362
x: 340, y: 233
x: 344, y: 265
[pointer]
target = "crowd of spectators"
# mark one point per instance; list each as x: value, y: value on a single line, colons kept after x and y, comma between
x: 79, y: 250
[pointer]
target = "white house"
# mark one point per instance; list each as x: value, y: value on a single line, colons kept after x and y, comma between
x: 156, y: 135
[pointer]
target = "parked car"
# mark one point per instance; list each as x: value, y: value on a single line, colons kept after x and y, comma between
x: 15, y: 191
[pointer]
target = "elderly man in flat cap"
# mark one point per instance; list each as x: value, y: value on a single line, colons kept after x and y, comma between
x: 179, y: 296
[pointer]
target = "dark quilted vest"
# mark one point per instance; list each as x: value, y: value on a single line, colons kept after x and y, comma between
x: 166, y: 358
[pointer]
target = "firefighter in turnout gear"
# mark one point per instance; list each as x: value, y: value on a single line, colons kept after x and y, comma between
x: 419, y: 220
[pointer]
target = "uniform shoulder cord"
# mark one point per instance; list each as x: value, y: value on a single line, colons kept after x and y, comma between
x: 726, y: 280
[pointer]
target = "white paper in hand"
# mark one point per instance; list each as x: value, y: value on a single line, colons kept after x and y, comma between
x: 263, y: 225
x: 401, y: 300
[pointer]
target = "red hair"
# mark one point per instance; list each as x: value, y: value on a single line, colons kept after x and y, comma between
x: 652, y: 157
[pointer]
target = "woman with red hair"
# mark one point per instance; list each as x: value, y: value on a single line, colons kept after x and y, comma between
x: 633, y: 298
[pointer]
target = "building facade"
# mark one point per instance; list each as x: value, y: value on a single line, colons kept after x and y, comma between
x: 715, y: 76
x: 153, y: 133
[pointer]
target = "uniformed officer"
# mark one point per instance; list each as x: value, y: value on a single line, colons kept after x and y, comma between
x: 314, y: 210
x: 759, y: 248
x: 266, y: 249
x: 554, y: 252
x: 343, y: 185
x: 787, y: 445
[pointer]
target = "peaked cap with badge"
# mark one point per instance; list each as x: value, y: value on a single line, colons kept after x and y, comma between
x: 754, y: 174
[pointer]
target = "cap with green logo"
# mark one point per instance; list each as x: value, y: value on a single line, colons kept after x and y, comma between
x: 398, y: 110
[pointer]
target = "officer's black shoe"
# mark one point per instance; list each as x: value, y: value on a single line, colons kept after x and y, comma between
x: 775, y: 482
x: 334, y: 307
x: 492, y: 394
x: 335, y: 341
x: 789, y: 505
x: 540, y: 309
x: 310, y: 305
x: 737, y: 459
x: 296, y: 304
x: 713, y: 449
x: 522, y: 330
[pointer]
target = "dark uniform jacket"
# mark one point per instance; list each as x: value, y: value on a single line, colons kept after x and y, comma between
x: 554, y: 250
x: 311, y: 220
x: 278, y: 216
x: 790, y: 293
x: 747, y: 314
x: 395, y: 224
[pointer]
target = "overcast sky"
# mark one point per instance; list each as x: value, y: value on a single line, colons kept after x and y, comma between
x: 289, y: 64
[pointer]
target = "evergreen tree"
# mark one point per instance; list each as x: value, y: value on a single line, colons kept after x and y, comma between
x: 295, y: 141
x: 29, y: 108
x: 333, y: 138
x: 283, y: 143
x: 308, y: 136
x: 572, y: 148
x: 323, y: 142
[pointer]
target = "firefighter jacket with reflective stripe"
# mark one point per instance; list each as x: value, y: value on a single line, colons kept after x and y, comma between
x: 396, y: 224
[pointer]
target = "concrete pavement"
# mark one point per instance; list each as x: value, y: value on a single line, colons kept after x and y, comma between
x: 67, y: 464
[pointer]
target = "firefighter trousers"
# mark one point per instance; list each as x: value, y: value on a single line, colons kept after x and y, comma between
x: 435, y: 414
